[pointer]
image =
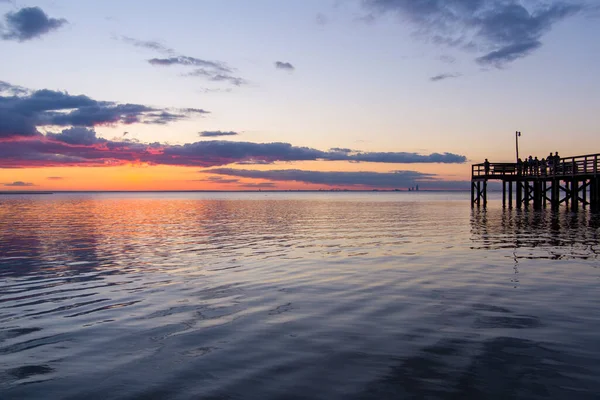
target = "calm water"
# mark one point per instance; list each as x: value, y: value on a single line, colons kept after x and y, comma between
x: 289, y: 295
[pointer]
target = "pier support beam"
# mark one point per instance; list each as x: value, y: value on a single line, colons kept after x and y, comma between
x: 485, y: 193
x: 537, y: 195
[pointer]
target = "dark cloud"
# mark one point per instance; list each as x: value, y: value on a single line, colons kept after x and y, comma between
x: 384, y: 180
x: 341, y: 150
x: 381, y: 180
x: 284, y: 65
x: 255, y: 162
x: 108, y: 114
x: 260, y: 185
x: 217, y: 133
x: 405, y: 158
x: 441, y: 77
x: 162, y: 118
x: 214, y: 71
x: 218, y: 179
x: 29, y: 23
x: 194, y: 111
x: 77, y: 136
x: 23, y: 111
x: 14, y: 90
x: 503, y: 30
x: 190, y: 61
x: 508, y: 53
x: 81, y: 146
x: 148, y: 44
x: 55, y: 178
x: 19, y: 184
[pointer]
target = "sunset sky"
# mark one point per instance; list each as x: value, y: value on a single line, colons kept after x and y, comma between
x: 295, y: 94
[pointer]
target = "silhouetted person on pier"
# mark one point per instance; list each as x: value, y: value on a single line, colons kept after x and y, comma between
x: 530, y: 165
x: 550, y: 161
x: 556, y: 160
x: 544, y: 166
x: 519, y: 166
x: 486, y: 166
x: 536, y: 166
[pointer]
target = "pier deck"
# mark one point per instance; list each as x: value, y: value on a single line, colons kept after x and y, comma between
x: 570, y: 180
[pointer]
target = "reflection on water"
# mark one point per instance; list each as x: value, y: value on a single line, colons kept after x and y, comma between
x: 375, y: 295
x: 538, y: 234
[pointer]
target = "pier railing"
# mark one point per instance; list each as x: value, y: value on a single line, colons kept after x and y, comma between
x: 566, y: 167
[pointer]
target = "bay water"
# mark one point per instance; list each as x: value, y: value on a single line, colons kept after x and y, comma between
x: 289, y: 295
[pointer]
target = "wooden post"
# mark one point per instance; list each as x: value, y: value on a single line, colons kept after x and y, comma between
x: 544, y: 192
x: 503, y: 194
x: 537, y: 195
x: 567, y: 193
x: 555, y: 197
x: 485, y: 193
x: 595, y: 193
x: 574, y: 194
x: 519, y: 193
x: 478, y: 193
x: 472, y: 193
x: 510, y: 194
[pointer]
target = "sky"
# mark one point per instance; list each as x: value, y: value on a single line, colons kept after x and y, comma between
x: 296, y: 94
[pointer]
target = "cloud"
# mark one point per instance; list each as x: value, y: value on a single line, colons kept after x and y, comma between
x: 214, y: 71
x: 77, y: 136
x: 217, y: 133
x: 507, y: 54
x: 148, y: 44
x: 189, y: 61
x: 384, y: 180
x: 23, y: 111
x: 19, y: 184
x: 503, y: 30
x: 55, y: 178
x: 14, y: 90
x: 342, y: 150
x: 443, y: 76
x: 29, y: 23
x: 81, y: 146
x: 217, y: 179
x: 284, y: 65
x: 255, y: 162
x: 194, y: 111
x: 260, y: 185
x: 217, y: 77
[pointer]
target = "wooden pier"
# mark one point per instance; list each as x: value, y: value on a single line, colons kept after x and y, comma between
x: 572, y: 181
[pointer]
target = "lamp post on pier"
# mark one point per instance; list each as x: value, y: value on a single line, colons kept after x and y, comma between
x: 517, y: 135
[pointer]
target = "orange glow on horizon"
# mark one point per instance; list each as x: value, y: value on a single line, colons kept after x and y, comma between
x: 141, y: 176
